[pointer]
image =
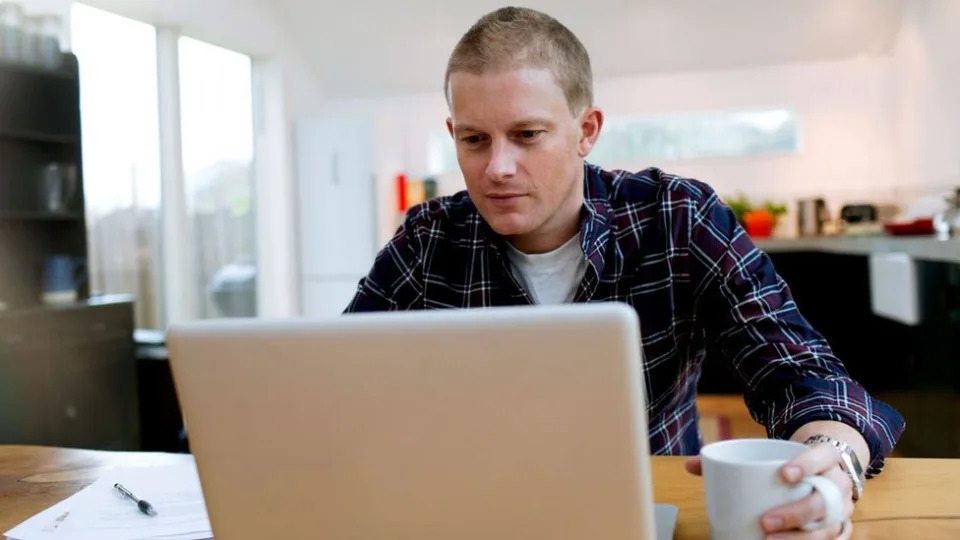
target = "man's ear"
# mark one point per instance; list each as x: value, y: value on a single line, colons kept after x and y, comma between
x: 450, y: 127
x: 591, y: 122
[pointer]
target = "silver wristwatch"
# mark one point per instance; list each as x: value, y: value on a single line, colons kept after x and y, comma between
x: 849, y: 461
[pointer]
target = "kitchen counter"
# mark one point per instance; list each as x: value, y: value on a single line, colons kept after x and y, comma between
x: 925, y: 248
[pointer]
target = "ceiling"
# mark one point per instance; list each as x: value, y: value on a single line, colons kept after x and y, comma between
x: 247, y: 26
x: 363, y: 48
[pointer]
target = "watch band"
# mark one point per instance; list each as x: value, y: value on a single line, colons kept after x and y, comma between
x: 849, y: 461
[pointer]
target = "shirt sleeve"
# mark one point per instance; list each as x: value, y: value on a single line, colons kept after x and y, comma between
x: 791, y: 375
x: 395, y: 281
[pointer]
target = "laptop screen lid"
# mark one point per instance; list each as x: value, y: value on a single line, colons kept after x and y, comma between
x: 519, y: 422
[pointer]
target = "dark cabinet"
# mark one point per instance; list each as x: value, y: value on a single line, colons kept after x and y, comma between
x: 95, y: 397
x: 68, y: 376
x: 46, y: 101
x: 24, y: 385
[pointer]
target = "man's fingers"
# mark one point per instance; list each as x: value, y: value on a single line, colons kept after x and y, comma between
x: 829, y: 533
x: 794, y: 515
x: 815, y: 460
x: 847, y: 530
x: 694, y: 466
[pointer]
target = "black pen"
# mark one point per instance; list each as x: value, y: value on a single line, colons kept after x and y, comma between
x: 143, y: 505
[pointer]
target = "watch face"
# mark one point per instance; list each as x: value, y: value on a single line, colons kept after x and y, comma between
x: 852, y: 471
x: 854, y: 462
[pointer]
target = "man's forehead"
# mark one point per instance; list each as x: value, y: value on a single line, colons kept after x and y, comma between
x: 505, y: 97
x: 505, y: 78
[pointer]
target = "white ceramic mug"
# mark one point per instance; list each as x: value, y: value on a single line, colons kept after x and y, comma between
x: 742, y: 482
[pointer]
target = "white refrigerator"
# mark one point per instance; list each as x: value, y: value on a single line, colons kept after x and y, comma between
x: 337, y: 221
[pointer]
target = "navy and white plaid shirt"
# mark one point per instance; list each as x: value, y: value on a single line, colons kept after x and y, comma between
x: 670, y: 248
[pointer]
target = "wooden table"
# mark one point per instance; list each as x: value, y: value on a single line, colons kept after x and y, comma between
x: 913, y: 498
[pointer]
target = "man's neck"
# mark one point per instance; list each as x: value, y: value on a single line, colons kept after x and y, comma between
x: 533, y: 244
x: 555, y: 232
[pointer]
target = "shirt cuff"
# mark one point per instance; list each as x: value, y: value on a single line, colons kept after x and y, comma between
x: 839, y: 400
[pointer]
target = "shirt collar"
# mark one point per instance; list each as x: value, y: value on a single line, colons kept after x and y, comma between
x: 595, y: 217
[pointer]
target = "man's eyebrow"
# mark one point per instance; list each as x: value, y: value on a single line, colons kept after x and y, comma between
x: 530, y: 122
x: 524, y: 123
x: 460, y: 128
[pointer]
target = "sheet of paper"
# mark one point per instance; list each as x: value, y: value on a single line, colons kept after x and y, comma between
x: 44, y: 524
x: 100, y: 512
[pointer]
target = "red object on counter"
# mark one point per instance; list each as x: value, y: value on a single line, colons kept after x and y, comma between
x: 917, y: 227
x: 401, y: 193
x: 759, y: 223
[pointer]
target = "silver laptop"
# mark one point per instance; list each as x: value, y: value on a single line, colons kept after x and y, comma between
x: 521, y: 422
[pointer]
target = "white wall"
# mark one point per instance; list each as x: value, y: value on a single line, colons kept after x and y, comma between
x: 927, y: 57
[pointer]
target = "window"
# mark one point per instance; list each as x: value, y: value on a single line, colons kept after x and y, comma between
x: 216, y: 110
x: 120, y: 111
x: 121, y: 161
x: 626, y: 141
x: 694, y: 136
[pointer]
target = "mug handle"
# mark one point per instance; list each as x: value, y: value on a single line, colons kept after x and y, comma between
x: 833, y: 503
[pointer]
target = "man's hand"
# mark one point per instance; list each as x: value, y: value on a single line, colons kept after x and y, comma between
x: 785, y: 521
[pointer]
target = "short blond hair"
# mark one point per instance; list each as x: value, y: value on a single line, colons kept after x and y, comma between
x: 514, y: 37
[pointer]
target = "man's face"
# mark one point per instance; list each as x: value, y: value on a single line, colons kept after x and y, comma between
x: 521, y: 152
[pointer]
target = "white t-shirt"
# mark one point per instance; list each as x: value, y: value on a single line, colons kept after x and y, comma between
x: 552, y: 277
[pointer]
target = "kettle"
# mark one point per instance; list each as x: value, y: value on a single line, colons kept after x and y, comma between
x: 812, y: 216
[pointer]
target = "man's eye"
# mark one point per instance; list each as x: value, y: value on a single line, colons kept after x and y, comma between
x: 471, y: 139
x: 529, y: 134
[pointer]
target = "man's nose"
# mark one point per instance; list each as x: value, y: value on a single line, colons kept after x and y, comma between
x: 503, y: 161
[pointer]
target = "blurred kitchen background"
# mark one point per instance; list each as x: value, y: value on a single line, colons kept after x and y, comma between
x: 169, y: 160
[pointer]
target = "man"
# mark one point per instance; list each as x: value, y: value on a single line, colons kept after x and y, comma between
x: 539, y: 225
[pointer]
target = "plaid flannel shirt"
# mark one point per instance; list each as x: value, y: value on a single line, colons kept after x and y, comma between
x: 670, y: 248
